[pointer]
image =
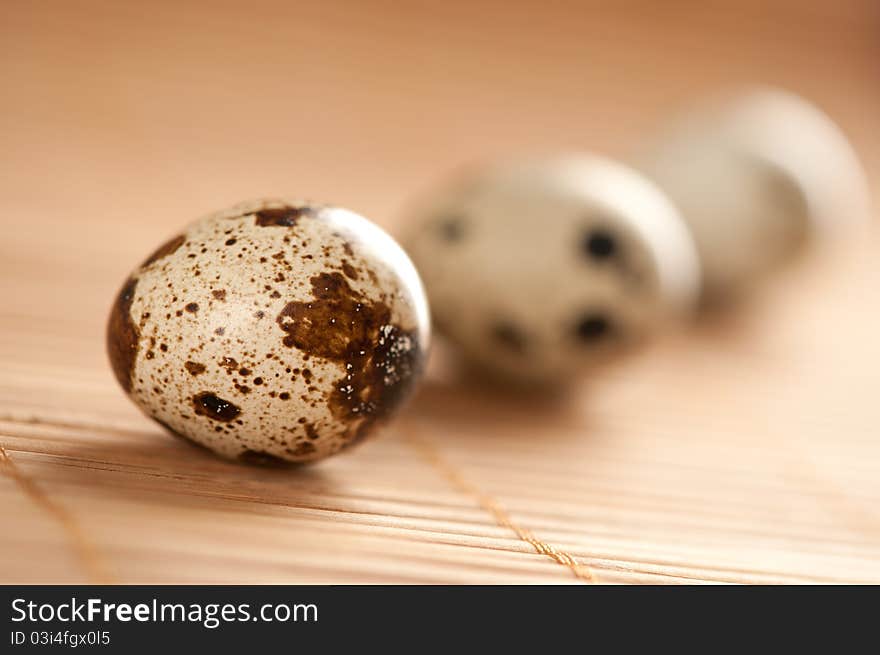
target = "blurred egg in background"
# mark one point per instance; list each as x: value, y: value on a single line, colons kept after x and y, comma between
x: 755, y: 176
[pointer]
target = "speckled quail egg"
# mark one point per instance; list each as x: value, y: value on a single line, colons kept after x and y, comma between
x: 274, y: 330
x: 538, y: 268
x: 756, y: 176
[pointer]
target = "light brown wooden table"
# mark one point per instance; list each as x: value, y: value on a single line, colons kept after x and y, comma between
x: 746, y: 449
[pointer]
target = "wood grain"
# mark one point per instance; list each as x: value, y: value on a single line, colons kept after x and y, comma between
x: 745, y: 449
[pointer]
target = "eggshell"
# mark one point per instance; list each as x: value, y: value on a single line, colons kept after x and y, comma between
x: 504, y: 250
x: 757, y: 175
x: 274, y: 330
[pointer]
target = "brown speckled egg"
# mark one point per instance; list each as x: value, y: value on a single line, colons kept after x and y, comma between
x: 274, y: 330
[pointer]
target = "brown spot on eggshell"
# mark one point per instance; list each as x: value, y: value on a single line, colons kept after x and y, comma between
x: 192, y: 307
x: 303, y: 449
x: 210, y: 405
x: 349, y: 270
x: 167, y: 248
x: 219, y: 294
x: 509, y: 336
x: 380, y: 360
x: 123, y: 335
x: 282, y: 216
x: 194, y: 368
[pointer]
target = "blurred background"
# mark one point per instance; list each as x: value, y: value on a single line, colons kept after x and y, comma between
x: 121, y: 121
x: 158, y: 112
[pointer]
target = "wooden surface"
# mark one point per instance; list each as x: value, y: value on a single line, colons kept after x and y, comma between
x: 746, y: 449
